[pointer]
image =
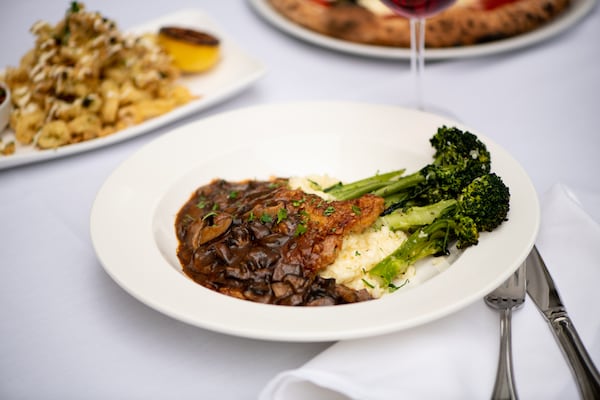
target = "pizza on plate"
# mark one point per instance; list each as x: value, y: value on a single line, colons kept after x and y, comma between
x: 465, y: 23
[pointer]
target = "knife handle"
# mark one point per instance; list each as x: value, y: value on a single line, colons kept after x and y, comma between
x: 582, y: 366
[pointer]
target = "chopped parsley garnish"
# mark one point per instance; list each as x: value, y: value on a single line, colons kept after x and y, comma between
x: 233, y: 195
x: 300, y: 229
x: 201, y: 203
x: 328, y: 211
x: 188, y: 219
x: 281, y: 214
x: 367, y: 283
x: 356, y: 209
x: 266, y: 218
x: 393, y: 287
x: 210, y: 214
x: 298, y: 203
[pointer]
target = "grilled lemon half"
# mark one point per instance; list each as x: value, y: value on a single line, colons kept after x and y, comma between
x: 192, y: 51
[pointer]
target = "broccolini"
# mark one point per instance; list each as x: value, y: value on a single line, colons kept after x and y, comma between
x: 481, y: 206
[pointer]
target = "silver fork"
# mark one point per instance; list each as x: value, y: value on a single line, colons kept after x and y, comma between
x: 510, y: 295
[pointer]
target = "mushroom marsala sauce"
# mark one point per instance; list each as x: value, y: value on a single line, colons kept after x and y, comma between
x: 264, y: 242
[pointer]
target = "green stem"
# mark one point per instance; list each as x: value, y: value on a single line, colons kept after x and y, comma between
x: 358, y: 188
x: 402, y: 183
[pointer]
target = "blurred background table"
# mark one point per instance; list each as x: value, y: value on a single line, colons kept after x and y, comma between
x: 69, y: 331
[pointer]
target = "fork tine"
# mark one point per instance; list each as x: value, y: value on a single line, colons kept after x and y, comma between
x: 511, y: 292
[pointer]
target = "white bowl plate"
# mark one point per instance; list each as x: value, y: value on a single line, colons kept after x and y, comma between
x: 577, y: 11
x: 133, y: 216
x: 234, y: 73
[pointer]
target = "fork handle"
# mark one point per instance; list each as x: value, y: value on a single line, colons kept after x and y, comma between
x: 504, y: 388
x: 582, y: 366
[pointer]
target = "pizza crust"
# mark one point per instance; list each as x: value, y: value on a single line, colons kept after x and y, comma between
x: 461, y: 25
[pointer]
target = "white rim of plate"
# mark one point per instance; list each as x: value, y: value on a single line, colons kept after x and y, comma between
x: 234, y: 57
x: 132, y: 217
x: 578, y: 10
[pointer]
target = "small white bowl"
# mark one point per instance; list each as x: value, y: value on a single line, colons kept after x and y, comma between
x: 5, y: 107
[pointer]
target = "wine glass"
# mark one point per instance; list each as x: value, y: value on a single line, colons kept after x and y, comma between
x: 417, y: 11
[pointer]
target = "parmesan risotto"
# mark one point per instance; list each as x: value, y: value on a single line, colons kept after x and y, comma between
x: 360, y: 251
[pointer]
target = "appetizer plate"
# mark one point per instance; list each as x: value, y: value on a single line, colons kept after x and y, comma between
x: 133, y: 215
x: 578, y: 10
x: 235, y: 72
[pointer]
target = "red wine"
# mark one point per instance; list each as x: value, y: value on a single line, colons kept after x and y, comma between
x: 418, y: 8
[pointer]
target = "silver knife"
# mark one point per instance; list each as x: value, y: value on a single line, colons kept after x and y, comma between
x: 544, y: 294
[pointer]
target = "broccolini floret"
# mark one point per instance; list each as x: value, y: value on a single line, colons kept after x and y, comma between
x: 459, y: 158
x: 485, y: 200
x: 481, y: 206
x: 449, y: 201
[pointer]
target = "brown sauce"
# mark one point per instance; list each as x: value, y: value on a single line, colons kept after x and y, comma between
x: 263, y: 242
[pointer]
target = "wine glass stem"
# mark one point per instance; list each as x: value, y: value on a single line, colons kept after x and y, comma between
x: 417, y: 59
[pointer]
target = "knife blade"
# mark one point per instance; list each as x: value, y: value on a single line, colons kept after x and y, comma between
x: 543, y: 292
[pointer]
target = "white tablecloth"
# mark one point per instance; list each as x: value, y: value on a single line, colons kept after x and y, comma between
x: 69, y: 331
x: 449, y: 358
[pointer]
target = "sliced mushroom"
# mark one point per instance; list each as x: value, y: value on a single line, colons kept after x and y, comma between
x: 207, y: 232
x: 281, y: 289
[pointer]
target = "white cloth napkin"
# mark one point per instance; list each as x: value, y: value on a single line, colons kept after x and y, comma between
x: 456, y: 357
